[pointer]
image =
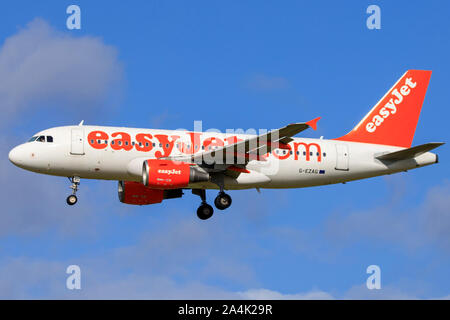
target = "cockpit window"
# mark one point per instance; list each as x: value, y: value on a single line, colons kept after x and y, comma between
x: 41, y: 139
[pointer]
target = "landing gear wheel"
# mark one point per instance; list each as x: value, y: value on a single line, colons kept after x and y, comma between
x: 205, y: 211
x: 222, y: 201
x: 71, y: 200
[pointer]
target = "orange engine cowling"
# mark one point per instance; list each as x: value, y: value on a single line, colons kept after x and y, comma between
x: 131, y: 192
x: 167, y: 174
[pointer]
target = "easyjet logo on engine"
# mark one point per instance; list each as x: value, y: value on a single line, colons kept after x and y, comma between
x: 390, y: 107
x: 169, y: 172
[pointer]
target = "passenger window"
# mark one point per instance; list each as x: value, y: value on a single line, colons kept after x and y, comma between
x: 49, y: 139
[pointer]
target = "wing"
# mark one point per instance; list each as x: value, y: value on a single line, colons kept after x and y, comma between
x: 254, y: 148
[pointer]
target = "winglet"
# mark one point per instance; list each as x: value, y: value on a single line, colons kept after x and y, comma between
x: 81, y: 123
x: 313, y: 123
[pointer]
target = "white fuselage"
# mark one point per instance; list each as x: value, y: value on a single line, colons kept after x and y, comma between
x: 309, y: 162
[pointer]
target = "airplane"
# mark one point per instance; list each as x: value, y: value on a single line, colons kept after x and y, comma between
x: 153, y: 165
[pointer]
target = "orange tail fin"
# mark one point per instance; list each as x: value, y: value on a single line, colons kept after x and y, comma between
x: 393, y: 120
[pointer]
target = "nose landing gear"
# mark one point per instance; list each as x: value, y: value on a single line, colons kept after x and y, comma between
x: 72, y: 199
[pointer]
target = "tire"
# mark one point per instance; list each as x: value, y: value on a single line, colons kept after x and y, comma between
x: 71, y: 200
x: 222, y: 201
x: 205, y: 211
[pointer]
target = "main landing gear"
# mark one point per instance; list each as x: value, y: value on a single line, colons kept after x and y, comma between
x: 72, y: 199
x: 205, y: 211
x: 222, y: 201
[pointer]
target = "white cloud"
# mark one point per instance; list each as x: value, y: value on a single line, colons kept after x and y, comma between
x: 361, y: 292
x: 191, y: 249
x: 410, y: 228
x: 33, y: 204
x: 41, y: 66
x: 36, y: 278
x: 265, y: 294
x: 435, y: 215
x: 262, y: 82
x: 23, y: 277
x: 156, y: 268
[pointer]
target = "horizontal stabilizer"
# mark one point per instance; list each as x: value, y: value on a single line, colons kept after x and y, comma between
x: 410, y: 153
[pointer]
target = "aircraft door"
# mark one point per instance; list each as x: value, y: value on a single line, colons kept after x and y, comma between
x: 342, y: 157
x: 77, y: 141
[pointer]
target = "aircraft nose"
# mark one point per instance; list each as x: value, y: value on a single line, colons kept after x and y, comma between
x: 25, y: 157
x: 16, y: 155
x: 13, y: 155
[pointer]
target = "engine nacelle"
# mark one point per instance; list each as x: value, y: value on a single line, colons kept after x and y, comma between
x: 131, y: 192
x: 167, y: 174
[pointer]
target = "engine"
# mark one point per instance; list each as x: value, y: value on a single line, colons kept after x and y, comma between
x: 167, y: 174
x: 131, y: 192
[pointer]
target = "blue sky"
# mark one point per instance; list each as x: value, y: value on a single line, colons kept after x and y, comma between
x: 237, y: 64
